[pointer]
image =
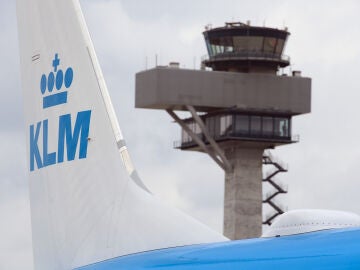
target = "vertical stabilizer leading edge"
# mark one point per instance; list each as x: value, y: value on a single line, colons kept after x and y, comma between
x: 85, y: 206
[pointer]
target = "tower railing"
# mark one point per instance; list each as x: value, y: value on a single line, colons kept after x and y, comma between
x: 250, y: 54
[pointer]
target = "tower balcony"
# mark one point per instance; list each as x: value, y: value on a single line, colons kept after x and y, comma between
x: 246, y: 61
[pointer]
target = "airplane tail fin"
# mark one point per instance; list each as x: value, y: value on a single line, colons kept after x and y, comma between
x: 85, y: 207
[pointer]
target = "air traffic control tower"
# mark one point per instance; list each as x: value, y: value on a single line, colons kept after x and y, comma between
x: 239, y: 108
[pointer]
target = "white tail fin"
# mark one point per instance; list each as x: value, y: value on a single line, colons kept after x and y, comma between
x: 84, y: 205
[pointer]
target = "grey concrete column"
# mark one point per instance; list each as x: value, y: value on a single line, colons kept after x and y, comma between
x: 243, y: 193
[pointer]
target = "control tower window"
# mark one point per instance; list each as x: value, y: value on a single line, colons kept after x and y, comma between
x: 269, y: 44
x: 255, y: 125
x: 281, y: 127
x: 226, y: 124
x: 212, y: 125
x: 268, y: 126
x: 227, y: 42
x: 245, y: 43
x: 253, y: 45
x: 214, y: 49
x: 241, y: 124
x: 279, y: 46
x: 208, y: 46
x: 219, y: 45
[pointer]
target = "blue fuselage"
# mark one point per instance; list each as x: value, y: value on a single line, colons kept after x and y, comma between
x: 328, y: 249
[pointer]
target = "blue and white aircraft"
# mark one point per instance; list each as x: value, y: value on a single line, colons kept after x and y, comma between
x: 89, y: 208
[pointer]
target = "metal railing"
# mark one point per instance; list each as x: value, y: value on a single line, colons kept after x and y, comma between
x: 269, y: 158
x: 246, y: 55
x: 188, y: 142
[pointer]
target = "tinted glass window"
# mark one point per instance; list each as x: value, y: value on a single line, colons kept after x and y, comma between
x: 242, y: 124
x: 281, y: 127
x: 240, y: 44
x: 255, y: 125
x: 210, y: 124
x: 208, y: 47
x: 225, y: 125
x: 269, y: 44
x: 267, y: 126
x: 255, y: 43
x: 279, y: 46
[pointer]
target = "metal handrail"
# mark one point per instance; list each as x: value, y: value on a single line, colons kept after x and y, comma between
x: 181, y: 142
x: 247, y: 55
x: 278, y: 187
x: 273, y: 159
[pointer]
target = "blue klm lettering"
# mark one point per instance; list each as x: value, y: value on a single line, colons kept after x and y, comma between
x: 67, y: 138
x: 34, y: 149
x: 72, y: 139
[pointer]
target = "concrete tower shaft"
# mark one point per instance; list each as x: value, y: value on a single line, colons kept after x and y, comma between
x: 243, y: 193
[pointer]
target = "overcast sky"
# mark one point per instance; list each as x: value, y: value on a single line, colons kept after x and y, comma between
x: 324, y: 44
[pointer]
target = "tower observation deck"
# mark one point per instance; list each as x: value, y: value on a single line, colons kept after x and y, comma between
x: 240, y: 47
x: 238, y: 109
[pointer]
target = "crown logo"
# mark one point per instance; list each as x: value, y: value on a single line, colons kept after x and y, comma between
x: 55, y: 79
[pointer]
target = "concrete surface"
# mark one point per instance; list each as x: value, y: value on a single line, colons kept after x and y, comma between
x: 243, y: 193
x: 172, y: 88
